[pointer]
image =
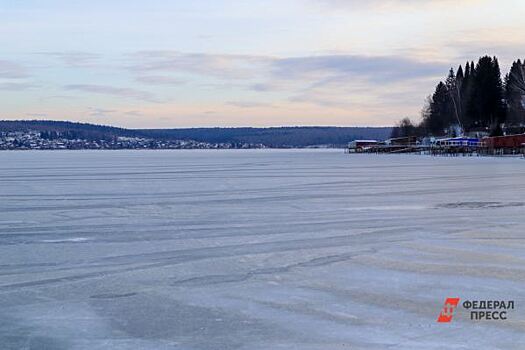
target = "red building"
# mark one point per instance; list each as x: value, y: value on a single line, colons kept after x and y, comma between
x: 505, y: 142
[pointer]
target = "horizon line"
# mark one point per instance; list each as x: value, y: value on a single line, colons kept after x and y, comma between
x: 197, y: 127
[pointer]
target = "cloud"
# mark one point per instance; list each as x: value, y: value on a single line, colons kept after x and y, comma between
x: 12, y: 70
x: 59, y: 97
x: 261, y: 87
x: 214, y: 65
x: 100, y: 112
x: 350, y: 91
x: 377, y: 69
x: 114, y: 91
x: 341, y: 82
x: 159, y: 80
x: 266, y: 73
x: 16, y: 86
x: 337, y: 5
x: 75, y: 58
x: 134, y: 113
x: 245, y: 104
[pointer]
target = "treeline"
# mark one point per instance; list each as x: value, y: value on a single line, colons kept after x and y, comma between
x: 473, y: 99
x: 51, y: 129
x: 89, y: 135
x: 270, y: 137
x: 276, y: 136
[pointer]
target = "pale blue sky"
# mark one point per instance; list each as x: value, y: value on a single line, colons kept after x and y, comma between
x: 241, y: 63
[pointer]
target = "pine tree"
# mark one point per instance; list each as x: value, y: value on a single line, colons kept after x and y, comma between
x: 515, y: 94
x: 441, y: 113
x: 454, y: 97
x: 426, y: 113
x: 486, y: 106
x: 404, y: 128
x: 470, y: 118
x: 460, y: 78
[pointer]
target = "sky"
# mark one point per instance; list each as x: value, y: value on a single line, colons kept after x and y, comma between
x: 161, y: 64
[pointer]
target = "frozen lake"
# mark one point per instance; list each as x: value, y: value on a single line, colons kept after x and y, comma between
x: 257, y: 250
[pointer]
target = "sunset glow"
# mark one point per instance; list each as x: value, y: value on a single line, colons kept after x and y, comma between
x: 250, y: 63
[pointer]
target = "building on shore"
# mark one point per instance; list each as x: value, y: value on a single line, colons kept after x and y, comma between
x: 358, y: 146
x: 463, y: 145
x: 502, y: 145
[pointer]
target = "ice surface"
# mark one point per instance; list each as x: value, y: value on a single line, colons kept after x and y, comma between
x: 257, y: 250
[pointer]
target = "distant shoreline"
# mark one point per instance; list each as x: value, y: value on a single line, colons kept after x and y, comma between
x: 173, y: 149
x: 33, y: 134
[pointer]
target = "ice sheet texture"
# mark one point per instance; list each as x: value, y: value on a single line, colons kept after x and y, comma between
x: 259, y: 249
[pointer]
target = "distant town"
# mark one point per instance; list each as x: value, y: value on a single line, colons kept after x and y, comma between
x: 36, y: 140
x: 57, y: 135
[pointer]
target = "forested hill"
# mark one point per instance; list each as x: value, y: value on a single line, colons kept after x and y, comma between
x: 270, y: 137
x: 276, y: 137
x: 66, y: 129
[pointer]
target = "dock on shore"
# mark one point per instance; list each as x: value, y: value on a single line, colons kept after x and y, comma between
x: 456, y: 146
